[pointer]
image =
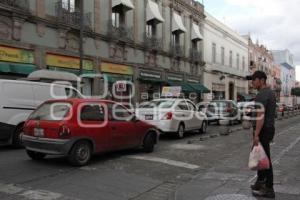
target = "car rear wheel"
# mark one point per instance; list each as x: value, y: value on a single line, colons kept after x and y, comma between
x: 80, y: 154
x: 180, y: 131
x: 203, y: 127
x: 16, y: 138
x: 35, y: 155
x: 149, y: 143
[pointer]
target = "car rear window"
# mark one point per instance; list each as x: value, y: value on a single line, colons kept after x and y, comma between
x: 52, y: 111
x: 160, y: 104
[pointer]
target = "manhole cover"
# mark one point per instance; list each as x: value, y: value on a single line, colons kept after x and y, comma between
x: 230, y: 197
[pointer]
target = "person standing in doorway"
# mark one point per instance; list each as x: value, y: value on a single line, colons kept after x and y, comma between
x: 264, y: 130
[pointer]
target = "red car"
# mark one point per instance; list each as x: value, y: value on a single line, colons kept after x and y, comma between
x: 77, y: 128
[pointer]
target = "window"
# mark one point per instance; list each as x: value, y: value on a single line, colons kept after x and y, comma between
x: 182, y: 106
x: 71, y: 5
x: 214, y: 52
x: 92, y: 113
x: 55, y: 111
x: 194, y: 45
x: 238, y: 61
x: 222, y: 55
x: 230, y: 59
x: 119, y: 113
x: 115, y: 19
x: 151, y: 30
x: 191, y: 106
x: 176, y: 39
x: 244, y: 64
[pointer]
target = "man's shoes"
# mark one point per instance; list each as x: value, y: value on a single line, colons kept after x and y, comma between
x: 264, y: 192
x: 257, y: 185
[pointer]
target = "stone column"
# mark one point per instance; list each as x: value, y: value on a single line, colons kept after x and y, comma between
x: 97, y: 20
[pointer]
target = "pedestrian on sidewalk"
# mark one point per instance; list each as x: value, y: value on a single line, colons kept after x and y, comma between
x: 263, y: 131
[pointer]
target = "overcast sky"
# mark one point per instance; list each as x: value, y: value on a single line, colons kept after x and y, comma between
x: 275, y: 23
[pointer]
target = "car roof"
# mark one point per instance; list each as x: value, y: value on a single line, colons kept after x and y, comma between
x: 80, y: 100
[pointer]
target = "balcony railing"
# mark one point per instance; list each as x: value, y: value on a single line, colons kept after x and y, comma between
x: 18, y: 4
x: 177, y: 50
x: 195, y: 56
x: 152, y: 43
x: 69, y: 15
x: 121, y: 32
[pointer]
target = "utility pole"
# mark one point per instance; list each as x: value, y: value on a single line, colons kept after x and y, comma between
x: 81, y: 36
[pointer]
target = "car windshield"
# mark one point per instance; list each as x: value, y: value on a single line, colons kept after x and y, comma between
x: 158, y: 103
x: 53, y: 111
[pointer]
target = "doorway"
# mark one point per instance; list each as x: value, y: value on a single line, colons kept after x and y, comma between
x: 231, y: 91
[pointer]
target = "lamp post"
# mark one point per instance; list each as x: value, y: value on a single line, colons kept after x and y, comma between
x: 81, y: 8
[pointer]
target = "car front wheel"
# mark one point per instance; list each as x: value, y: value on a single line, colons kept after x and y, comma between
x: 80, y: 154
x: 35, y: 155
x: 203, y: 127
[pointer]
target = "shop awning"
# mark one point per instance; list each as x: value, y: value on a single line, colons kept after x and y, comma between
x: 126, y: 4
x: 153, y: 13
x: 177, y: 24
x: 199, y: 87
x: 152, y: 80
x: 185, y: 87
x: 196, y: 35
x: 247, y: 97
x: 17, y: 68
x: 112, y: 78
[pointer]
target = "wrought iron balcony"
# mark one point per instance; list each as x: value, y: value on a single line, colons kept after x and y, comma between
x: 71, y: 15
x: 177, y: 50
x: 195, y: 56
x: 121, y: 32
x: 18, y: 4
x: 152, y: 43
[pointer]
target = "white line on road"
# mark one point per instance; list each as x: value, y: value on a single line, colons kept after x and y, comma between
x: 166, y: 161
x: 284, y: 151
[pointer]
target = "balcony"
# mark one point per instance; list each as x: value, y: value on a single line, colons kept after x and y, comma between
x: 122, y: 33
x: 16, y: 4
x: 177, y: 50
x: 71, y: 16
x: 152, y: 43
x: 195, y: 56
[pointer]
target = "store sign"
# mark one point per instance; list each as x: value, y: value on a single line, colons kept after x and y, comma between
x: 175, y: 78
x: 171, y: 91
x: 68, y: 62
x: 11, y: 54
x: 193, y: 81
x: 116, y: 68
x: 121, y: 86
x: 218, y: 87
x: 150, y: 75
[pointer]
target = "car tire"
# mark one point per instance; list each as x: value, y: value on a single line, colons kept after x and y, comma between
x: 203, y: 127
x: 16, y: 137
x: 180, y: 131
x: 149, y: 143
x: 35, y: 155
x: 80, y: 153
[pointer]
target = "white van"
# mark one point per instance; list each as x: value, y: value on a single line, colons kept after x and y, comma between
x: 19, y: 98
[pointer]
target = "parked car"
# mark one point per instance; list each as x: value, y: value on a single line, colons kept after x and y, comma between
x: 78, y: 128
x: 173, y: 116
x: 223, y: 110
x: 281, y: 108
x: 19, y: 98
x: 245, y: 108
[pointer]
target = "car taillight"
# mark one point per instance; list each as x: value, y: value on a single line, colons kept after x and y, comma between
x: 168, y: 116
x: 64, y: 131
x: 229, y: 110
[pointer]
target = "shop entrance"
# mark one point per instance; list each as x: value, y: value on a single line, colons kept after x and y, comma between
x: 231, y: 91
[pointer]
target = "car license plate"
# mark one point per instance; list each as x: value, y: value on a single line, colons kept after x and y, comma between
x: 148, y: 117
x: 38, y: 132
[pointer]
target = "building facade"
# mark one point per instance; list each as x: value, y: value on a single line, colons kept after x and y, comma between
x: 148, y: 42
x: 226, y: 58
x: 288, y: 74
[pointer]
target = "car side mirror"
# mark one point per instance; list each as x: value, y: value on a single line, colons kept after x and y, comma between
x: 135, y: 118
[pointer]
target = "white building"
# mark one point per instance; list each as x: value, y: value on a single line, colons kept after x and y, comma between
x: 226, y: 57
x: 288, y: 74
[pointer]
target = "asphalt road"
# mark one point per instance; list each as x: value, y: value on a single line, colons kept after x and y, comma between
x: 208, y: 167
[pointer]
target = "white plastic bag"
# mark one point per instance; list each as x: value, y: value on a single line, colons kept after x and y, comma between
x: 258, y: 159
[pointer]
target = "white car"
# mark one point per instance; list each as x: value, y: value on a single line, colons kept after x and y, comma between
x: 173, y: 116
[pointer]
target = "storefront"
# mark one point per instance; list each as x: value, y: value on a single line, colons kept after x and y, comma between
x: 150, y: 85
x: 16, y: 63
x: 199, y: 88
x: 120, y: 81
x: 218, y: 91
x: 72, y: 64
x: 178, y: 80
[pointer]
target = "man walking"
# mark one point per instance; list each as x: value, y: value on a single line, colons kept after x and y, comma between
x: 264, y: 129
